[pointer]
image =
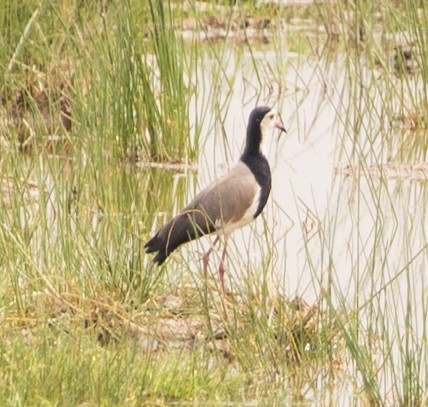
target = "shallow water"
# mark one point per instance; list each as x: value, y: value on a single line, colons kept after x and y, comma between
x: 357, y: 238
x: 314, y: 204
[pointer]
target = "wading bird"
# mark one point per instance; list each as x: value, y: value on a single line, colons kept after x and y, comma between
x: 231, y: 202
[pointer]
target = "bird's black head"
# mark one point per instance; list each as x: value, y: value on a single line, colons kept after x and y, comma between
x: 262, y: 119
x: 258, y: 114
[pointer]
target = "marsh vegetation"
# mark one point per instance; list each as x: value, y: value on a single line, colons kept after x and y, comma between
x: 113, y: 114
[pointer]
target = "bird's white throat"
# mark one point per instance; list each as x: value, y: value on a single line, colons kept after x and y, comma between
x: 267, y: 126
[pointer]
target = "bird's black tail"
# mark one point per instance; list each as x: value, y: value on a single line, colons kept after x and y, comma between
x: 157, y: 245
x: 183, y: 228
x: 160, y: 257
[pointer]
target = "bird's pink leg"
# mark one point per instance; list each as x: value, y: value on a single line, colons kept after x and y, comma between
x: 206, y: 256
x: 221, y: 269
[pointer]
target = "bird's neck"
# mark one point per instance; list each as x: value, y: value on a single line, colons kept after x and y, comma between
x: 254, y: 139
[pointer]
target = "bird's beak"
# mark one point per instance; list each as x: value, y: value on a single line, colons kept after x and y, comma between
x: 280, y: 127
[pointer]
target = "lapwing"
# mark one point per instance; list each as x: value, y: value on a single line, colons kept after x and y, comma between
x: 231, y: 202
